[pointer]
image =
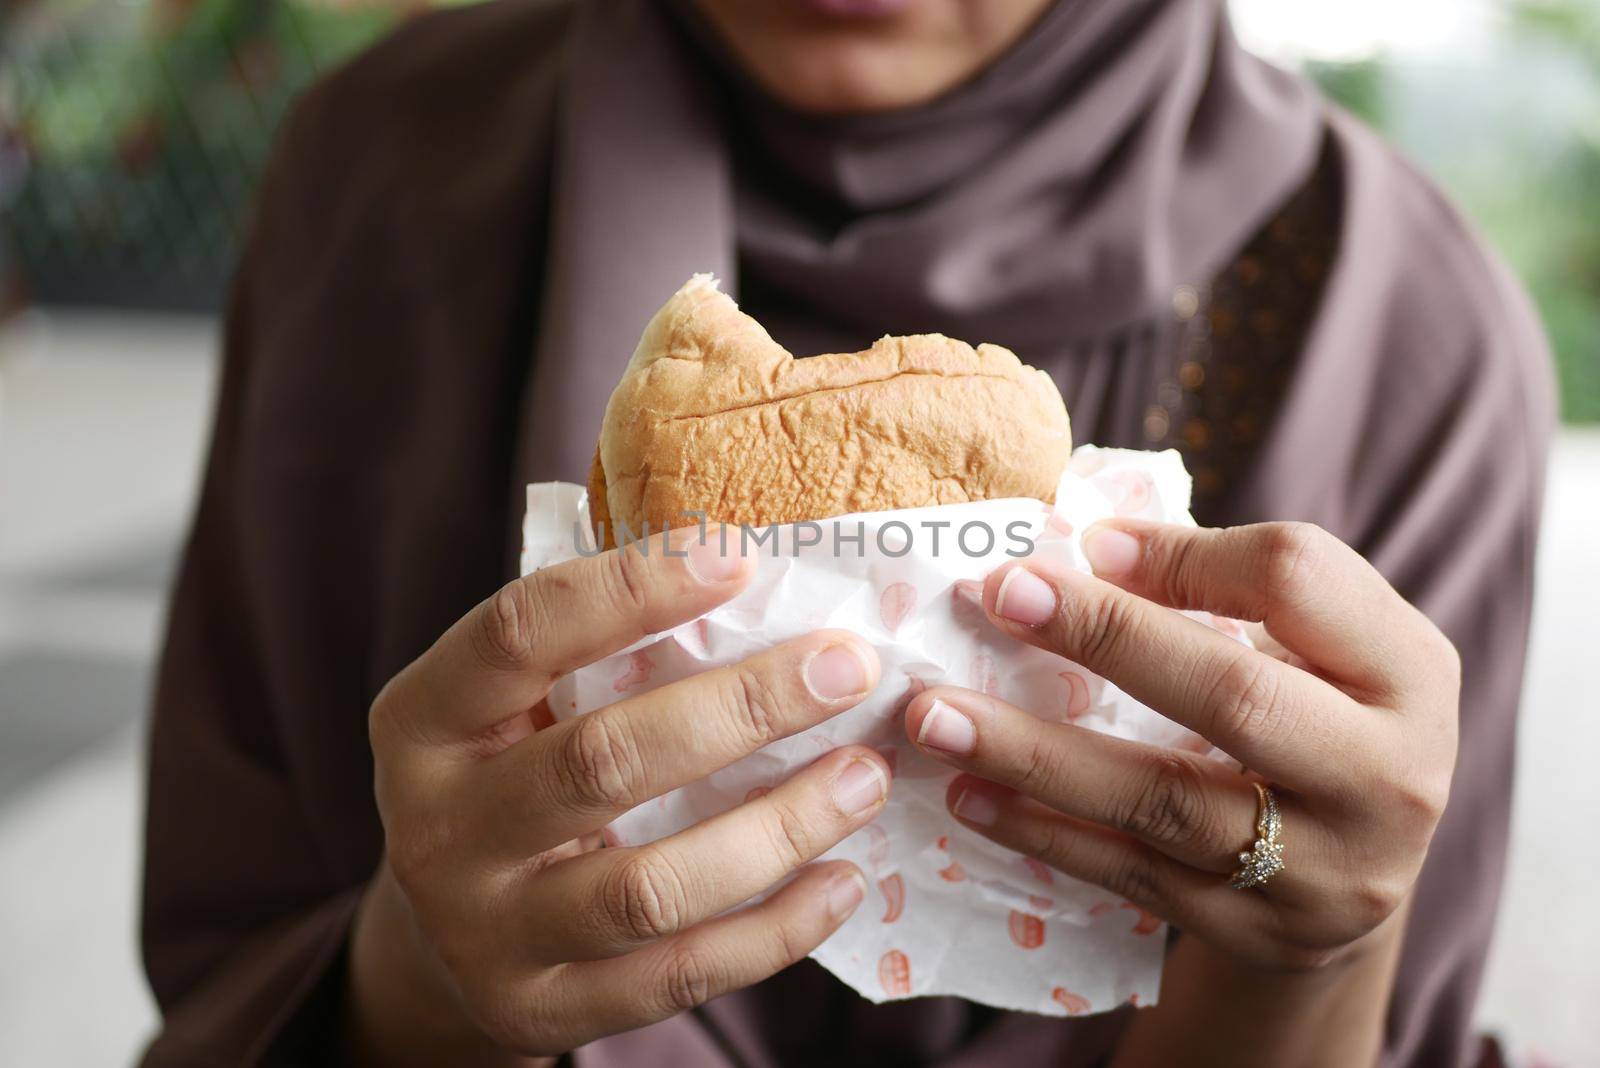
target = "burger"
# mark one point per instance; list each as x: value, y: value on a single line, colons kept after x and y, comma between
x: 714, y: 419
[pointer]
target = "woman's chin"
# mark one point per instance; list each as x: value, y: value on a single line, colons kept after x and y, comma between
x: 852, y: 56
x: 854, y: 8
x: 854, y: 80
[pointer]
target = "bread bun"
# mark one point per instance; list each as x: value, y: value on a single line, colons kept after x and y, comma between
x: 714, y: 416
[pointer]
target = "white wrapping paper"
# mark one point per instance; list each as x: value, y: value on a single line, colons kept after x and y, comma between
x: 950, y: 913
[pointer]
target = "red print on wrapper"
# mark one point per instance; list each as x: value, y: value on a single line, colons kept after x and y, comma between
x: 877, y: 846
x: 1146, y: 923
x: 637, y: 673
x: 1038, y: 869
x: 896, y: 603
x: 1026, y: 929
x: 952, y: 872
x: 1077, y: 694
x: 1130, y: 492
x: 1074, y: 1004
x: 894, y: 974
x: 893, y: 890
x: 968, y: 591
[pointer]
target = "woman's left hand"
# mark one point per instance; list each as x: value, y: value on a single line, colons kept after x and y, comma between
x: 1353, y: 722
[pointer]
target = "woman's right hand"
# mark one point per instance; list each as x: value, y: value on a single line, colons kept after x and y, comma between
x: 496, y: 923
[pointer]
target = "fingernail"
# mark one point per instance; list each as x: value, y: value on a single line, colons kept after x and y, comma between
x: 836, y: 672
x: 715, y: 558
x: 947, y: 729
x: 1110, y: 551
x: 977, y: 808
x: 860, y: 786
x: 846, y: 893
x: 1025, y: 598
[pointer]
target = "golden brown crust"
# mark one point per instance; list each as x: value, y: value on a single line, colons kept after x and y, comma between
x: 599, y: 514
x: 714, y: 416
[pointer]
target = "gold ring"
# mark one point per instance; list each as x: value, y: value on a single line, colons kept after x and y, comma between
x: 1264, y: 859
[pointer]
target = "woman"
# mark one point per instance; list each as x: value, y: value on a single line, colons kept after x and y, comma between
x: 459, y: 237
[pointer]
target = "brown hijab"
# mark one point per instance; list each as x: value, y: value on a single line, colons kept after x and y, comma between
x: 1116, y: 151
x: 1200, y: 252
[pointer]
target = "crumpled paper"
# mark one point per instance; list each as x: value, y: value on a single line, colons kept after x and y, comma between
x: 949, y: 912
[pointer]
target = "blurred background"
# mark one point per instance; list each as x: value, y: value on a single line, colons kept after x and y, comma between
x: 131, y: 135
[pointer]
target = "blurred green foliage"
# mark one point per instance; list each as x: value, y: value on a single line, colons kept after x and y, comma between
x: 1563, y: 264
x: 1529, y: 179
x: 1358, y: 86
x: 144, y: 126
